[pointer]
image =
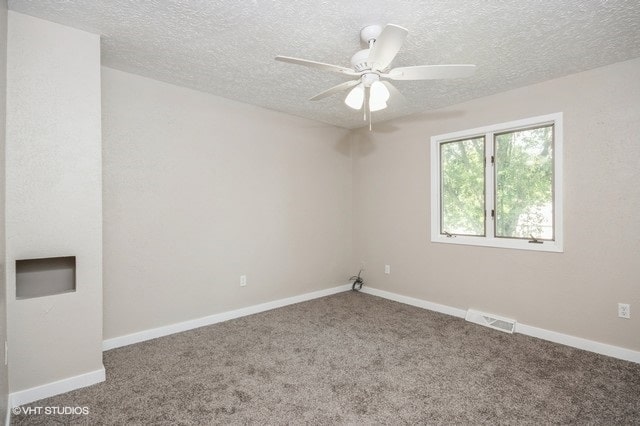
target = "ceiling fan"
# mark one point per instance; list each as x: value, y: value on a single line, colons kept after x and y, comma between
x: 371, y: 68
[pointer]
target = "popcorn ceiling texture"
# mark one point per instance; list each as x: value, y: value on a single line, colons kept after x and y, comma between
x: 228, y: 47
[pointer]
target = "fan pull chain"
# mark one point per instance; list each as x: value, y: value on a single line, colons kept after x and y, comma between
x: 371, y: 43
x: 367, y: 106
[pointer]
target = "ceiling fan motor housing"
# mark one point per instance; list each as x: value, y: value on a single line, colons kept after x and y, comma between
x: 359, y: 60
x: 368, y: 35
x: 370, y: 32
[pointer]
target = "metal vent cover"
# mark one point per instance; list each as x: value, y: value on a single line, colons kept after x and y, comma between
x: 507, y: 325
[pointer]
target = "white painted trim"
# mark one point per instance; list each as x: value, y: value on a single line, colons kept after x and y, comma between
x: 7, y: 417
x: 540, y: 333
x: 166, y: 330
x: 580, y: 343
x: 37, y: 393
x: 444, y: 309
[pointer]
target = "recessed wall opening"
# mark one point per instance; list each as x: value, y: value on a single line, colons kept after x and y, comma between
x: 45, y: 277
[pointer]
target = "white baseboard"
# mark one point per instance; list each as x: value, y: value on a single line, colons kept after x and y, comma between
x: 580, y: 343
x: 552, y: 336
x: 444, y: 309
x: 7, y: 417
x: 154, y: 333
x: 26, y: 396
x: 540, y: 333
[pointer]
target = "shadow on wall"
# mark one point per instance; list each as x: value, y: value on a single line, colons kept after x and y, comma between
x: 364, y: 140
x: 343, y: 145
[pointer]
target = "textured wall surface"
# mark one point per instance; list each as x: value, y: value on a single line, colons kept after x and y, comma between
x: 4, y: 374
x: 227, y: 47
x: 575, y: 292
x: 199, y: 190
x: 53, y: 199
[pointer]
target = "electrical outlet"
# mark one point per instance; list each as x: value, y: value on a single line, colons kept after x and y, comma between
x: 362, y: 265
x: 387, y: 269
x: 624, y: 310
x: 243, y: 280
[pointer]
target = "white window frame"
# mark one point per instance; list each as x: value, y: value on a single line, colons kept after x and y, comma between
x: 489, y: 240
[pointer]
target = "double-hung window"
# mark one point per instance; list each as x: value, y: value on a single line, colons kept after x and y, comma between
x: 500, y: 185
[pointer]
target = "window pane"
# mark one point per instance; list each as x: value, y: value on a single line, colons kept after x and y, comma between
x: 462, y: 192
x: 524, y: 183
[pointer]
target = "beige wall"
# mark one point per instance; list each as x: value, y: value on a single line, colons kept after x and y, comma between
x: 575, y: 292
x: 199, y: 190
x: 4, y: 381
x: 53, y: 197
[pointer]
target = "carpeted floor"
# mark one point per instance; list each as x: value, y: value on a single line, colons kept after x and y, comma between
x: 356, y: 359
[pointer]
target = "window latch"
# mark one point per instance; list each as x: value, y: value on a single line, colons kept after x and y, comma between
x: 448, y: 234
x: 534, y: 240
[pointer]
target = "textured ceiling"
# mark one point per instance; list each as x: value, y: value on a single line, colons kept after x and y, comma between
x: 226, y: 47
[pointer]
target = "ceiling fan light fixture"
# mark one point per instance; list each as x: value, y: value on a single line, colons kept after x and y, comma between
x: 379, y: 92
x: 355, y: 98
x: 378, y: 97
x: 376, y: 106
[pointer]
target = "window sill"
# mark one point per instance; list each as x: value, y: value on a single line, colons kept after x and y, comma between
x: 548, y: 246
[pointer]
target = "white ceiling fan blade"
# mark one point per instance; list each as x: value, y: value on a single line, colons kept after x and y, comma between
x: 318, y: 65
x: 431, y: 72
x: 335, y: 89
x: 395, y: 97
x: 386, y: 46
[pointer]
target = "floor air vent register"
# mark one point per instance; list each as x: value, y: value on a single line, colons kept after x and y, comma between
x: 507, y: 325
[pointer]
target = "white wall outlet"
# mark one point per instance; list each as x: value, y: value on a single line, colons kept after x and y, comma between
x: 624, y: 310
x: 243, y: 280
x: 362, y: 265
x: 387, y: 269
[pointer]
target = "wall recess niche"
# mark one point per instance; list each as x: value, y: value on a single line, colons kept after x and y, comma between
x: 45, y: 277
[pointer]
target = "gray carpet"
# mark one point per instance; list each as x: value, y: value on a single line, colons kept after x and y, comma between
x: 353, y: 358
